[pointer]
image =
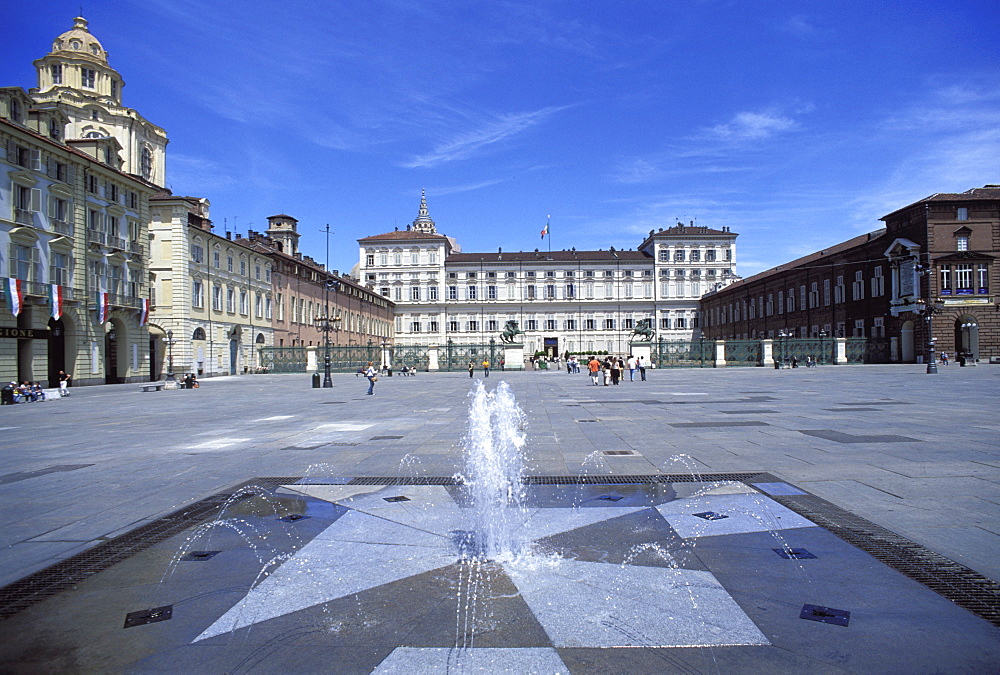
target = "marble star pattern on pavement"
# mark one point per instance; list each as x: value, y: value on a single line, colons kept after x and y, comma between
x: 578, y: 603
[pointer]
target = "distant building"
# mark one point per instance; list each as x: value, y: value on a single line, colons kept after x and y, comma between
x: 212, y: 293
x: 302, y: 295
x: 938, y: 253
x: 565, y: 301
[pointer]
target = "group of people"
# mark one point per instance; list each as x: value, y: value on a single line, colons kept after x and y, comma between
x: 611, y: 370
x: 25, y: 392
x: 486, y: 367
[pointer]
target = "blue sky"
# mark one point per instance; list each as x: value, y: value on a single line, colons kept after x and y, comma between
x: 796, y: 124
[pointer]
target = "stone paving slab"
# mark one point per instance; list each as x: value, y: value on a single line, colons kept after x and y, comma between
x: 143, y: 455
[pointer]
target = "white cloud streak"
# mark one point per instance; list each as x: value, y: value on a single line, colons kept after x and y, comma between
x: 470, y: 142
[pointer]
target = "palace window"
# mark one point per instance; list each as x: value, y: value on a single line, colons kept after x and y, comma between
x: 415, y: 293
x: 962, y: 213
x: 453, y: 292
x: 88, y: 76
x: 370, y: 260
x: 432, y: 292
x: 589, y: 324
x: 197, y: 294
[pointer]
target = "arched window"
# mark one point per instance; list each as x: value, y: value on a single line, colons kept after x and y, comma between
x: 260, y: 338
x: 146, y: 163
x: 199, y: 334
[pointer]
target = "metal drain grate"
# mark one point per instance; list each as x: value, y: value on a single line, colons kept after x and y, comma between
x: 146, y: 616
x: 794, y: 553
x: 68, y: 573
x: 400, y: 498
x: 963, y: 586
x: 838, y: 617
x: 619, y: 452
x: 199, y: 556
x: 385, y: 438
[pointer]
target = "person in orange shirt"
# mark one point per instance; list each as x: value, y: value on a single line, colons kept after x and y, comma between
x: 595, y: 369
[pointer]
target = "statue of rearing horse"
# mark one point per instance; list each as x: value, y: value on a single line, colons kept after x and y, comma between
x: 510, y: 331
x: 643, y: 332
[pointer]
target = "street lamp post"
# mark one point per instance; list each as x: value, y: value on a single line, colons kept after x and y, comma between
x: 822, y: 351
x: 783, y: 336
x: 170, y: 355
x: 931, y: 360
x: 968, y: 356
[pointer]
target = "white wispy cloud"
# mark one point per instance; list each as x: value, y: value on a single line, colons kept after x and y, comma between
x: 490, y: 132
x: 748, y: 126
x: 468, y: 187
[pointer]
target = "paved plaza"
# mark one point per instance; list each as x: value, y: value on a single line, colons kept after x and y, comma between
x: 840, y: 519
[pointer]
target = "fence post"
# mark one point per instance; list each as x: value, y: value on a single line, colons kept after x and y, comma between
x: 840, y: 355
x: 312, y: 363
x: 432, y: 358
x: 720, y: 353
x: 767, y: 353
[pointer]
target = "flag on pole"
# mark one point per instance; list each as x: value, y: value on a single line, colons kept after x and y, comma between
x: 545, y: 230
x: 14, y: 293
x: 103, y: 307
x: 144, y: 312
x: 56, y: 300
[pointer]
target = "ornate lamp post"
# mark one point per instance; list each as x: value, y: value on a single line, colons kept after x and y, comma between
x: 822, y: 351
x: 783, y: 336
x: 929, y: 318
x: 170, y: 355
x: 968, y: 356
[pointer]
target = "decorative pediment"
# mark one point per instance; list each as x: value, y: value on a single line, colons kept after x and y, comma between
x: 25, y: 236
x: 61, y: 244
x: 61, y: 190
x: 902, y: 247
x: 25, y: 178
x: 963, y: 231
x: 115, y: 210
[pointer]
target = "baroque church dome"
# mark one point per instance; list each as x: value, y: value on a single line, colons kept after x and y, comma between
x: 78, y: 42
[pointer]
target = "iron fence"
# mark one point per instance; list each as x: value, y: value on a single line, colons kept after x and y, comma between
x: 457, y: 356
x: 867, y: 350
x: 411, y: 356
x: 684, y: 354
x: 743, y: 353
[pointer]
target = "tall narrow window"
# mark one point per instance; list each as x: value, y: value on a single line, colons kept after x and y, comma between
x: 88, y: 77
x: 57, y: 73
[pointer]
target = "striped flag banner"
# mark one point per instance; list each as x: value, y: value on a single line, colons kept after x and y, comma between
x: 545, y: 230
x: 103, y: 307
x: 56, y: 300
x: 144, y: 312
x: 14, y: 292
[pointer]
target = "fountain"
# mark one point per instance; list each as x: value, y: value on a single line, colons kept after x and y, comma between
x: 494, y: 473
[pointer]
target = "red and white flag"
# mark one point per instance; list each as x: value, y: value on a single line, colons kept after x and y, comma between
x: 144, y: 312
x: 56, y: 301
x: 103, y: 306
x: 14, y: 291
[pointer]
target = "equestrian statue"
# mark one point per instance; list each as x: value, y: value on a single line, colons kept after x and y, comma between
x: 643, y: 332
x: 510, y: 330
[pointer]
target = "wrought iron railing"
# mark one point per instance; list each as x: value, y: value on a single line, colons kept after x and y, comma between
x: 411, y: 356
x: 96, y: 237
x: 743, y: 352
x: 23, y: 216
x: 457, y: 356
x: 683, y: 353
x: 62, y: 227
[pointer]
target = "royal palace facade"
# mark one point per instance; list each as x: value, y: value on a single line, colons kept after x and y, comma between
x: 565, y: 301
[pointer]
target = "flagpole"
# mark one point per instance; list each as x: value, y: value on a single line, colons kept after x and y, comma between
x: 547, y: 220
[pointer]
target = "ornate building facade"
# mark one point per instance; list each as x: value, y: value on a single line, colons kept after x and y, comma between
x: 213, y: 293
x: 76, y: 79
x: 565, y: 301
x: 73, y: 254
x: 929, y: 276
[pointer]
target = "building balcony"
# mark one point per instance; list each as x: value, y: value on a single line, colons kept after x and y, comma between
x: 23, y: 216
x: 62, y: 227
x: 117, y: 243
x: 135, y: 249
x: 96, y: 237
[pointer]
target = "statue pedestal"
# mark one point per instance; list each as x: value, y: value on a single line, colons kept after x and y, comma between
x: 513, y: 356
x: 312, y: 362
x: 642, y: 349
x: 432, y: 358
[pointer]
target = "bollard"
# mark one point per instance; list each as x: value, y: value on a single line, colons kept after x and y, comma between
x: 315, y: 379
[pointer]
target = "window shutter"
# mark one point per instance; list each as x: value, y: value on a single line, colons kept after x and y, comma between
x: 36, y: 200
x: 12, y: 152
x: 35, y: 159
x: 70, y: 173
x: 50, y: 167
x: 53, y: 208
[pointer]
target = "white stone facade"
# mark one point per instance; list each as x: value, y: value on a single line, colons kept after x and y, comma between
x: 75, y: 78
x: 569, y: 300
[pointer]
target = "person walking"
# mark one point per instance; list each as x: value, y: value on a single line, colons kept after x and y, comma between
x: 64, y: 380
x: 642, y: 368
x: 486, y: 367
x: 472, y: 367
x: 944, y: 358
x: 616, y: 370
x: 595, y: 369
x: 631, y: 368
x: 372, y: 375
